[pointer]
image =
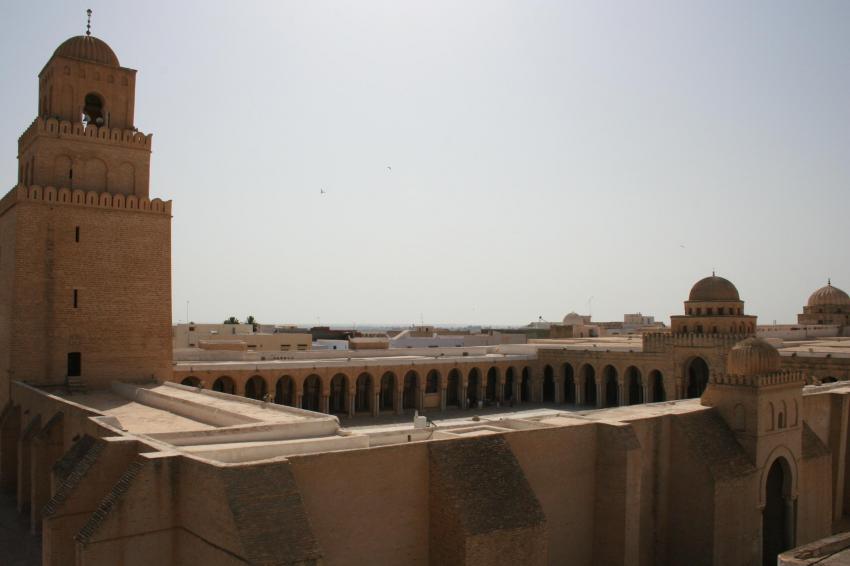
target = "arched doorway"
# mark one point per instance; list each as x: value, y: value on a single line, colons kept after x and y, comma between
x: 284, y: 391
x: 696, y: 373
x: 611, y: 388
x: 255, y: 388
x: 190, y: 381
x: 473, y: 385
x: 432, y: 382
x: 569, y: 385
x: 548, y: 384
x: 635, y: 383
x: 224, y: 385
x: 453, y: 388
x: 657, y: 381
x: 508, y: 393
x: 776, y: 535
x: 338, y: 401
x: 363, y: 393
x: 492, y: 384
x: 411, y: 386
x: 387, y: 398
x: 311, y: 399
x: 525, y: 386
x: 589, y: 385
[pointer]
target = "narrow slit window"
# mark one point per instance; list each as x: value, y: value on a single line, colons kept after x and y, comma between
x: 75, y: 298
x: 77, y: 234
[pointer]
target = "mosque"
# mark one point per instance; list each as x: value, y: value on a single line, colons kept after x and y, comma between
x: 704, y: 444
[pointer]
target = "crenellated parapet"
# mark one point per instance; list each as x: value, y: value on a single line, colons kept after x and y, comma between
x: 763, y: 380
x: 77, y: 197
x: 77, y: 130
x: 661, y: 341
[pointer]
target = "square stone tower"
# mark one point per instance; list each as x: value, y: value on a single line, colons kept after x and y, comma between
x: 85, y: 254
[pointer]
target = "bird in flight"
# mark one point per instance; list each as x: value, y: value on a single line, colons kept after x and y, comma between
x: 389, y: 169
x: 322, y: 192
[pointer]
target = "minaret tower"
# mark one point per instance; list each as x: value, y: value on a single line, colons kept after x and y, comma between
x: 85, y: 254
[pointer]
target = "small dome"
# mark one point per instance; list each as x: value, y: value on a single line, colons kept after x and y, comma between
x: 87, y: 48
x: 714, y: 289
x: 829, y: 296
x: 573, y: 318
x: 753, y: 356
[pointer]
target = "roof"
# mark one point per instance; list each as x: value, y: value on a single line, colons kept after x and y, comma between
x: 87, y: 48
x: 714, y: 288
x: 829, y: 296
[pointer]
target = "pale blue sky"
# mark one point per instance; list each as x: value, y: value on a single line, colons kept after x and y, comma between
x: 542, y: 152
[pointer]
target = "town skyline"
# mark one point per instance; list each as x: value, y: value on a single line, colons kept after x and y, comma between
x: 479, y: 164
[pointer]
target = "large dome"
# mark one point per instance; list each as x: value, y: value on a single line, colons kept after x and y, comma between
x: 829, y: 296
x: 714, y: 289
x: 753, y: 356
x: 87, y: 48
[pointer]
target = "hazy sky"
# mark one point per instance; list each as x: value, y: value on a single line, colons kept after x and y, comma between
x: 542, y: 153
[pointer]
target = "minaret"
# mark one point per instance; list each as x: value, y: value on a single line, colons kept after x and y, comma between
x: 85, y: 255
x: 84, y: 92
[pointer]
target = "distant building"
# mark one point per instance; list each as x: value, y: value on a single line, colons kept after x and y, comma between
x: 206, y: 336
x: 827, y: 305
x: 430, y: 337
x: 575, y: 325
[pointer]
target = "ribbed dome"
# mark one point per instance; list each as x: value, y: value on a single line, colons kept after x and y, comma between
x: 714, y: 289
x: 753, y: 356
x: 829, y: 296
x: 87, y: 48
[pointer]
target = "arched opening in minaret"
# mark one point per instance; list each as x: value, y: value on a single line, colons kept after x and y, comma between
x: 93, y: 110
x: 777, y: 517
x: 696, y: 374
x: 548, y: 384
x: 190, y: 381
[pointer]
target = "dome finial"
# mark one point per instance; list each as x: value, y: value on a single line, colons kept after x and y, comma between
x: 712, y: 272
x: 88, y: 22
x: 829, y: 281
